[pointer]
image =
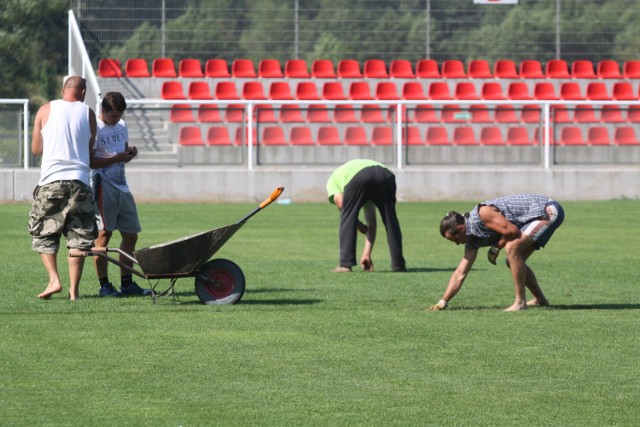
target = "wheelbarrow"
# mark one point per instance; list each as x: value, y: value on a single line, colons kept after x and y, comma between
x: 217, y: 281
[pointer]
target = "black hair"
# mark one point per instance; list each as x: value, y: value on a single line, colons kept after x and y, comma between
x: 114, y: 101
x: 451, y: 221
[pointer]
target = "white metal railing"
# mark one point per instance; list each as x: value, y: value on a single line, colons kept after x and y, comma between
x: 545, y: 107
x: 79, y: 63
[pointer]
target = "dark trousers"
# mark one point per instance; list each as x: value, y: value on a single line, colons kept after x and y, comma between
x: 378, y: 185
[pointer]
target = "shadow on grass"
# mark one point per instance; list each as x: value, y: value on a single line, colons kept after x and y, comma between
x: 595, y: 307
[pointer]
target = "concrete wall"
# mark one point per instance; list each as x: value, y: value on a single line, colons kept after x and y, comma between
x: 308, y: 184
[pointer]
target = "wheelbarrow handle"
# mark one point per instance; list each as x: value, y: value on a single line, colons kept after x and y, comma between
x: 274, y: 195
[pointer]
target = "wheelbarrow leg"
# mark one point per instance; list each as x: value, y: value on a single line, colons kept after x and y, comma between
x: 169, y: 291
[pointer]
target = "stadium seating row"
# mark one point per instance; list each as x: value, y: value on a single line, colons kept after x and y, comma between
x: 413, y: 135
x: 266, y: 113
x: 372, y: 68
x: 383, y: 90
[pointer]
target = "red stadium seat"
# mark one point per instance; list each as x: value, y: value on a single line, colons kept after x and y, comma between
x: 136, y: 67
x: 466, y: 90
x: 571, y: 135
x: 243, y: 68
x: 505, y: 69
x: 453, y: 114
x: 345, y: 113
x: 518, y: 91
x: 307, y: 90
x: 479, y: 69
x: 493, y: 91
x: 280, y: 91
x: 329, y: 135
x: 218, y: 135
x: 401, y: 69
x: 531, y: 69
x: 190, y: 136
x: 611, y: 114
x: 226, y: 90
x: 273, y: 135
x: 386, y: 90
x: 519, y: 136
x: 530, y: 114
x: 560, y: 114
x: 265, y: 113
x: 631, y: 69
x: 109, y: 67
x: 609, y: 69
x: 291, y: 113
x: 633, y: 114
x: 199, y: 90
x: 373, y: 114
x: 585, y: 114
x: 209, y: 113
x: 301, y: 135
x: 453, y: 69
x: 440, y: 91
x: 181, y: 113
x: 437, y: 135
x: 234, y: 113
x: 571, y: 91
x: 582, y: 69
x: 163, y: 67
x: 216, y: 68
x: 413, y: 90
x: 359, y: 90
x: 318, y: 114
x: 270, y: 69
x: 296, y: 69
x: 172, y: 90
x: 411, y: 136
x: 382, y: 135
x: 356, y: 135
x: 333, y: 91
x: 480, y: 113
x: 597, y: 91
x: 557, y: 69
x: 506, y: 114
x: 625, y: 135
x: 491, y: 135
x: 464, y: 135
x: 253, y: 89
x: 323, y: 69
x: 427, y: 69
x: 598, y: 135
x: 425, y: 113
x: 349, y: 69
x: 190, y: 68
x: 623, y: 91
x: 545, y: 90
x: 375, y: 69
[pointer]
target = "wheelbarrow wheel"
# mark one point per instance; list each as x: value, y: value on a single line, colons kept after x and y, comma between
x: 220, y: 281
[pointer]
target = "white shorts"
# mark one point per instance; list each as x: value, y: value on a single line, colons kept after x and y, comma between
x: 116, y: 209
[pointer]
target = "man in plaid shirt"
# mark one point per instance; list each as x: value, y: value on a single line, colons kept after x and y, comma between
x: 520, y: 223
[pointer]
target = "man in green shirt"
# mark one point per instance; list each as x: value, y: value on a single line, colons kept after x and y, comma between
x: 367, y: 184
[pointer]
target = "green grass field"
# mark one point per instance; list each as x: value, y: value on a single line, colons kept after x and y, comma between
x: 309, y: 347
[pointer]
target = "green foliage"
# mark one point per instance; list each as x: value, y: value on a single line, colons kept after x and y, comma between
x: 309, y: 347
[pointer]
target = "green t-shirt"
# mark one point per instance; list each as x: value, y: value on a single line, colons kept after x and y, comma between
x: 342, y: 175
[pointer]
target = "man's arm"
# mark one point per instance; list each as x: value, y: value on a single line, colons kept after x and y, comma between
x: 371, y: 229
x: 457, y: 278
x: 494, y: 220
x: 36, y: 139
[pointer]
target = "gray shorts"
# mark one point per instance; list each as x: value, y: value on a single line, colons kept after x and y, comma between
x: 62, y: 208
x: 541, y: 229
x: 116, y: 209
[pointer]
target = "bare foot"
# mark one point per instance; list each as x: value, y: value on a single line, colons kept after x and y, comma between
x: 51, y: 289
x: 538, y: 303
x: 516, y: 307
x: 340, y: 269
x: 74, y: 297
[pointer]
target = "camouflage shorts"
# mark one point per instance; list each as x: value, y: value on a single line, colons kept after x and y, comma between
x: 62, y: 208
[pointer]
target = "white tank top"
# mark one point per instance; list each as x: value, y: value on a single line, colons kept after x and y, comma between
x: 65, y: 148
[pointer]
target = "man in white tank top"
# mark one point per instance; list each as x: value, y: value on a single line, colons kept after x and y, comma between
x: 64, y: 132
